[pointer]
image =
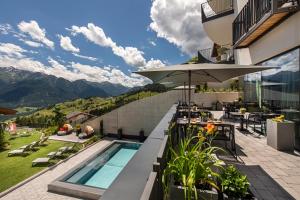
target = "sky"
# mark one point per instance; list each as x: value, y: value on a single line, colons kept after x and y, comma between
x: 99, y: 40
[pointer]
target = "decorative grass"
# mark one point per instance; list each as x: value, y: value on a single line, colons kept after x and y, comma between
x: 15, y: 169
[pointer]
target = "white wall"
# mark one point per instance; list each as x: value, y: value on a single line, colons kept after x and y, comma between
x: 219, y: 30
x: 284, y: 37
x: 146, y: 113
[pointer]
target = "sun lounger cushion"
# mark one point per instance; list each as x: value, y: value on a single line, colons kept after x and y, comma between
x: 16, y: 152
x: 51, y: 154
x: 40, y: 161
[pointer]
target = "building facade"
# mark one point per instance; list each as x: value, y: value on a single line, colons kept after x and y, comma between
x: 262, y: 32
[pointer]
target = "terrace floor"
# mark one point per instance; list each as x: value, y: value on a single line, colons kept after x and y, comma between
x: 36, y: 189
x: 274, y: 174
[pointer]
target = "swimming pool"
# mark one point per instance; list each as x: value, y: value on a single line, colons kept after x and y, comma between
x: 97, y: 173
x: 103, y: 170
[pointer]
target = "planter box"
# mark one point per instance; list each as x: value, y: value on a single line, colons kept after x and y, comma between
x: 177, y: 193
x: 281, y: 135
x: 250, y: 196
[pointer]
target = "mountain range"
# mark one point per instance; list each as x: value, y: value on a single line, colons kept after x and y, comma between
x: 25, y: 88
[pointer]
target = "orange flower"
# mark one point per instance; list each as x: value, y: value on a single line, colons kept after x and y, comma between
x: 210, y: 128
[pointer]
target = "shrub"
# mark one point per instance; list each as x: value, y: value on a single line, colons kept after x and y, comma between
x: 233, y: 183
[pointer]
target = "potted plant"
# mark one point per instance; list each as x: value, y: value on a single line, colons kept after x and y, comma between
x: 234, y: 185
x: 281, y: 133
x: 243, y: 110
x: 191, y: 172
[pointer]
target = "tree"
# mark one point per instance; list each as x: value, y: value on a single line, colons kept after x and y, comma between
x: 59, y: 117
x: 2, y: 137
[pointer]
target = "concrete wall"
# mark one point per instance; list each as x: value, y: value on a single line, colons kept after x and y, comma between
x: 146, y: 113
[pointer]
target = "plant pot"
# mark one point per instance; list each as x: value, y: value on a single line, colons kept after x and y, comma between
x: 281, y: 135
x: 249, y: 196
x: 177, y: 193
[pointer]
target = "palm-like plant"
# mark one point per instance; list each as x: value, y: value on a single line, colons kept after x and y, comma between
x: 191, y: 166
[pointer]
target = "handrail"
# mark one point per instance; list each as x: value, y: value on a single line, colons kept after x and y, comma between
x: 256, y: 10
x: 213, y: 8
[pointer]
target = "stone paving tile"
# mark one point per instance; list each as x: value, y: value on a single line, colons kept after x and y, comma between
x: 36, y: 189
x: 281, y: 167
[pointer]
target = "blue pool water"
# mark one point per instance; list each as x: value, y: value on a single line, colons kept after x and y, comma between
x: 104, y: 168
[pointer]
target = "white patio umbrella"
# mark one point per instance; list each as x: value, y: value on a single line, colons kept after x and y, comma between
x: 198, y: 73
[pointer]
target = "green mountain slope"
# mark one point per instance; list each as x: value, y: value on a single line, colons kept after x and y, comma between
x: 24, y: 88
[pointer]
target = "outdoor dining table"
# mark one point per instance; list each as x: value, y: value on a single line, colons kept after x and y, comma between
x: 183, y: 122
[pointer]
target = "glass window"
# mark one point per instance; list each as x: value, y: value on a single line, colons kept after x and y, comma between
x: 279, y: 88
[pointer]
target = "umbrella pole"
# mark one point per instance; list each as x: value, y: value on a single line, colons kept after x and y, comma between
x: 184, y: 92
x: 182, y: 98
x: 189, y: 107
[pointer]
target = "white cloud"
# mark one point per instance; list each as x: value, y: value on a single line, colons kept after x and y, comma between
x: 5, y: 29
x: 94, y: 34
x: 179, y: 22
x: 38, y: 34
x: 11, y: 50
x: 31, y: 43
x: 85, y: 57
x: 8, y: 29
x: 12, y: 55
x: 153, y: 64
x: 66, y: 44
x: 131, y: 55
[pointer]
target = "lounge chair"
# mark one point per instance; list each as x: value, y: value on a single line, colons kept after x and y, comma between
x: 42, y: 141
x: 33, y: 145
x: 40, y: 161
x: 25, y: 134
x: 63, y: 149
x: 71, y: 148
x: 21, y: 151
x: 54, y: 154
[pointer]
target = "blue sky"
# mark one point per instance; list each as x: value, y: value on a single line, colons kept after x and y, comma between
x: 98, y: 40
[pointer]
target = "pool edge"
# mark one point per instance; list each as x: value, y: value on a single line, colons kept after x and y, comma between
x: 58, y: 186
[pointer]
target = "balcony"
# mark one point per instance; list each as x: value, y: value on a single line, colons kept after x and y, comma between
x: 216, y: 8
x: 217, y: 18
x: 258, y: 17
x: 217, y: 54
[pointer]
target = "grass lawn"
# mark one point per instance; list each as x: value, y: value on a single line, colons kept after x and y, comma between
x: 17, y: 168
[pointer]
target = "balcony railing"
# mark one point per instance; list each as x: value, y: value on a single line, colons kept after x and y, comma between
x: 213, y: 9
x: 256, y: 11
